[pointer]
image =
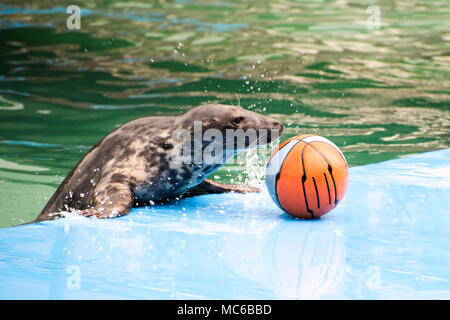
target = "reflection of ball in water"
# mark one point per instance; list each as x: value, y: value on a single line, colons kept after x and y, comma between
x: 307, y: 176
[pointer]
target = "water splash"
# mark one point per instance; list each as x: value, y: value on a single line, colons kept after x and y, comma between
x: 255, y: 163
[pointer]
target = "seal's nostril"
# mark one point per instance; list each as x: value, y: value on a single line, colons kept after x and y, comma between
x: 278, y: 125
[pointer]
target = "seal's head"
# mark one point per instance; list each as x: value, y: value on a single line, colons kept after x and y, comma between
x: 249, y: 128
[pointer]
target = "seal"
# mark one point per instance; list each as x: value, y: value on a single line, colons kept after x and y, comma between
x: 138, y: 164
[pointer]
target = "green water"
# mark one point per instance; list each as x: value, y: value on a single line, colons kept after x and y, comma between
x: 378, y: 94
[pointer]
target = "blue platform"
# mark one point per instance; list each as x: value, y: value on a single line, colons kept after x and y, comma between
x: 388, y: 239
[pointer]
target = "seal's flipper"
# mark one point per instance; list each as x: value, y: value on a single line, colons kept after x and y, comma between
x: 208, y: 186
x: 113, y: 201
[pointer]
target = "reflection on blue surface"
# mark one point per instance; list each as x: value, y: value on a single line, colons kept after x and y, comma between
x: 388, y: 239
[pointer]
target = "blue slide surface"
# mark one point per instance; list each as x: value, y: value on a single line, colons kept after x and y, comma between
x: 388, y: 239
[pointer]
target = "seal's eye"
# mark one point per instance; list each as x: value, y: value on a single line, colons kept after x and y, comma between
x: 238, y: 120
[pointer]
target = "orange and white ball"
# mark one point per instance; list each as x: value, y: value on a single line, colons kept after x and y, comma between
x: 307, y: 176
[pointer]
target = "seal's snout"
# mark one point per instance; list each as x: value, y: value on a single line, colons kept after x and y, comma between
x: 278, y: 126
